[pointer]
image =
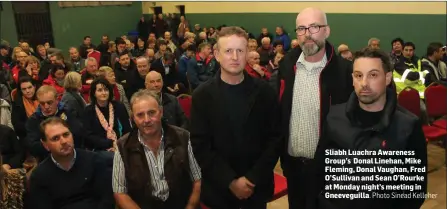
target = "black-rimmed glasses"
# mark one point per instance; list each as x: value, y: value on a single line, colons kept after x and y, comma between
x: 312, y: 29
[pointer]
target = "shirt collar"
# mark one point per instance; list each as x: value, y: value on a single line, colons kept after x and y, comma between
x: 71, y: 164
x: 140, y: 138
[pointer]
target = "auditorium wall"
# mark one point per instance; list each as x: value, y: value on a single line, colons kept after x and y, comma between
x: 352, y: 23
x: 70, y: 25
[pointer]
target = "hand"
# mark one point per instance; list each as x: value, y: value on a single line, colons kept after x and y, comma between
x: 189, y: 206
x: 6, y: 167
x: 176, y: 87
x: 258, y: 69
x: 90, y: 50
x: 29, y: 70
x: 89, y: 82
x: 112, y: 149
x: 242, y: 188
x: 171, y: 89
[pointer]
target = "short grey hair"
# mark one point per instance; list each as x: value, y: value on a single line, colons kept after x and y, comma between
x: 90, y: 59
x: 265, y: 39
x: 373, y: 39
x: 145, y: 94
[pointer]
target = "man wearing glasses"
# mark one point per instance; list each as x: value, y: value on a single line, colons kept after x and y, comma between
x: 49, y: 107
x: 312, y: 78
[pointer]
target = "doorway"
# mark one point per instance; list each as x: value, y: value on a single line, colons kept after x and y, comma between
x: 33, y: 22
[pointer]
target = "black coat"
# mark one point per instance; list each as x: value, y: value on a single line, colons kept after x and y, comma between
x: 18, y: 116
x: 221, y: 157
x: 74, y: 101
x: 397, y: 129
x: 173, y: 113
x: 96, y: 136
x: 11, y: 149
x: 335, y: 85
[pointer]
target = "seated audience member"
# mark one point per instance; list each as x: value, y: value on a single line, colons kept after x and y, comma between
x: 69, y: 178
x: 88, y: 75
x: 123, y: 67
x: 41, y: 53
x: 136, y: 78
x: 19, y: 68
x: 56, y: 79
x: 344, y: 52
x: 106, y: 57
x: 105, y: 120
x: 32, y: 66
x: 265, y: 51
x: 201, y: 67
x: 5, y: 113
x: 24, y: 105
x: 149, y: 54
x: 254, y: 69
x: 167, y: 182
x: 119, y: 94
x: 140, y: 48
x: 49, y: 106
x: 172, y: 112
x: 77, y: 62
x: 10, y: 148
x: 13, y: 186
x: 162, y: 49
x: 166, y: 67
x: 252, y: 45
x: 72, y: 97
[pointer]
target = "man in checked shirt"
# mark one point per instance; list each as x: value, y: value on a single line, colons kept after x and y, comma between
x: 154, y: 166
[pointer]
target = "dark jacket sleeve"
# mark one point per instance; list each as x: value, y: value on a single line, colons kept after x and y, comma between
x: 93, y: 140
x: 123, y: 116
x: 40, y: 198
x: 71, y: 103
x: 210, y: 162
x: 192, y: 73
x: 18, y: 156
x: 180, y: 115
x: 267, y: 161
x: 417, y: 144
x: 18, y: 120
x: 102, y: 186
x: 33, y: 137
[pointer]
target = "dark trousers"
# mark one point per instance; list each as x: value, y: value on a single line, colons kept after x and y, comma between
x: 296, y: 171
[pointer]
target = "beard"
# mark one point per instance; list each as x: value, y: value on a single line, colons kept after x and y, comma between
x: 311, y: 49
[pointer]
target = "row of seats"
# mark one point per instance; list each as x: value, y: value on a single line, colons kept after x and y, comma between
x: 436, y: 104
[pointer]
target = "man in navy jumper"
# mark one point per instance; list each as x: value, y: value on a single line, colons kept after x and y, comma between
x: 69, y: 178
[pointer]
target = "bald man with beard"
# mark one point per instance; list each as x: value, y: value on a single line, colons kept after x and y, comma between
x: 254, y: 69
x: 312, y: 77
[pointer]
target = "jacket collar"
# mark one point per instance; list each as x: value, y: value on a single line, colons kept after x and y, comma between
x: 388, y: 110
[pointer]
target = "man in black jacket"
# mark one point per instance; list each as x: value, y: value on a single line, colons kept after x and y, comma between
x: 311, y: 78
x: 373, y: 123
x: 235, y: 130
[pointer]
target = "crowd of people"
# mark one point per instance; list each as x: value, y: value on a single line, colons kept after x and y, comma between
x: 104, y: 128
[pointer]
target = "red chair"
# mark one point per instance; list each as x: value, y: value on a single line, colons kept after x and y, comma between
x: 280, y: 187
x: 95, y: 54
x: 436, y: 102
x: 409, y: 99
x: 185, y: 102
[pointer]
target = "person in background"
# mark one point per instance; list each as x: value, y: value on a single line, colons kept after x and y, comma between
x: 72, y: 97
x: 56, y: 79
x: 24, y: 105
x: 343, y: 51
x: 119, y: 93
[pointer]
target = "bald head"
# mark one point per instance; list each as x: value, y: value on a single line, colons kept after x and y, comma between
x: 312, y: 31
x: 253, y: 58
x: 154, y: 81
x: 294, y: 43
x: 312, y: 13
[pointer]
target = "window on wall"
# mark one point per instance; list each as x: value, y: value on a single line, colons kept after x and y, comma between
x: 92, y: 3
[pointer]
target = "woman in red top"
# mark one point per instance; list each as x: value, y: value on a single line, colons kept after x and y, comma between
x: 56, y: 79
